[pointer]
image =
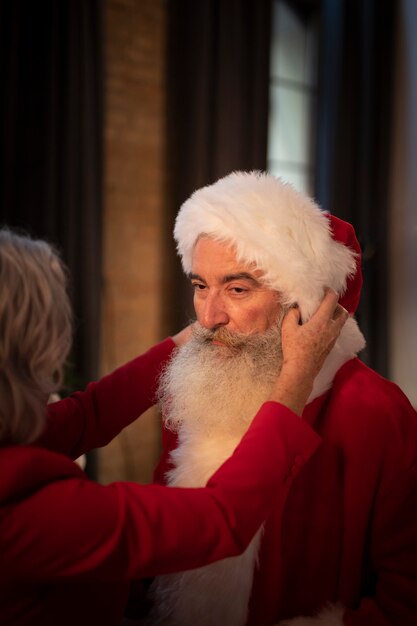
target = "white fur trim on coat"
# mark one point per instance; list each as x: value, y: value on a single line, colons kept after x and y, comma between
x: 349, y: 343
x: 274, y: 226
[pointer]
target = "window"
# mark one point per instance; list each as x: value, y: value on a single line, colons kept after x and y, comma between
x: 293, y: 93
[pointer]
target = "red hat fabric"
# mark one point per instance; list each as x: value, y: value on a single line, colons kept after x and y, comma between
x: 345, y: 234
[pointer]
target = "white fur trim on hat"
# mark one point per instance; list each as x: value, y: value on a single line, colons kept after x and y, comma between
x: 270, y: 224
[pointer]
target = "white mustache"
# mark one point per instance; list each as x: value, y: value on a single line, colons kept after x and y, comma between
x: 227, y: 337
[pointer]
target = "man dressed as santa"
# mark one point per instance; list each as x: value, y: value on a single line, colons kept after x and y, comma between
x: 341, y: 548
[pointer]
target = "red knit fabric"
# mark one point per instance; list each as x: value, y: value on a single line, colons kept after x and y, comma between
x: 345, y: 233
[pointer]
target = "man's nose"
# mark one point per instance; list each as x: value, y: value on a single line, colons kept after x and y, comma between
x: 213, y: 312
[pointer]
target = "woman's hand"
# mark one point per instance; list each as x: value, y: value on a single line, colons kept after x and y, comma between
x: 305, y: 348
x: 183, y: 336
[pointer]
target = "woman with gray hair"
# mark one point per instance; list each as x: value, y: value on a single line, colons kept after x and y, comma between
x: 68, y: 546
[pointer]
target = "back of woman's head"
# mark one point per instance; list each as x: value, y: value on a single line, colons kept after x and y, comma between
x: 35, y: 333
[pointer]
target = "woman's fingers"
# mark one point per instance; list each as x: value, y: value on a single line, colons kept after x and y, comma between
x: 327, y: 305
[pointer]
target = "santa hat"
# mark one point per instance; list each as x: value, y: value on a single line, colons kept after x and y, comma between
x: 301, y: 249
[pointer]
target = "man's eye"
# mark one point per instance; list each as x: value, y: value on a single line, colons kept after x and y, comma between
x: 238, y: 290
x: 198, y: 286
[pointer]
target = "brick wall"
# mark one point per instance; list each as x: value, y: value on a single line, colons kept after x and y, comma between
x: 133, y: 222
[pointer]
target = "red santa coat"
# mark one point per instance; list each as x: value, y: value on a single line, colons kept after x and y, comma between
x: 69, y: 546
x: 348, y: 531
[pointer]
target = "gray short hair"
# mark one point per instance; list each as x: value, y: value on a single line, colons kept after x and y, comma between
x: 35, y: 333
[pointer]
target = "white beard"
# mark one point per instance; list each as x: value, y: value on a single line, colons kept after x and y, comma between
x: 210, y: 395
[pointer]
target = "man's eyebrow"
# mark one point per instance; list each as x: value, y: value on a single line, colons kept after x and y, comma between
x: 229, y: 278
x: 193, y: 276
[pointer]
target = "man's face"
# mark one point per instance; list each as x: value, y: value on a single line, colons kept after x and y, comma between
x: 229, y: 294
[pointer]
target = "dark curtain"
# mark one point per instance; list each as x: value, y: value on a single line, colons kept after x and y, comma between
x: 353, y: 157
x: 51, y: 146
x: 217, y: 107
